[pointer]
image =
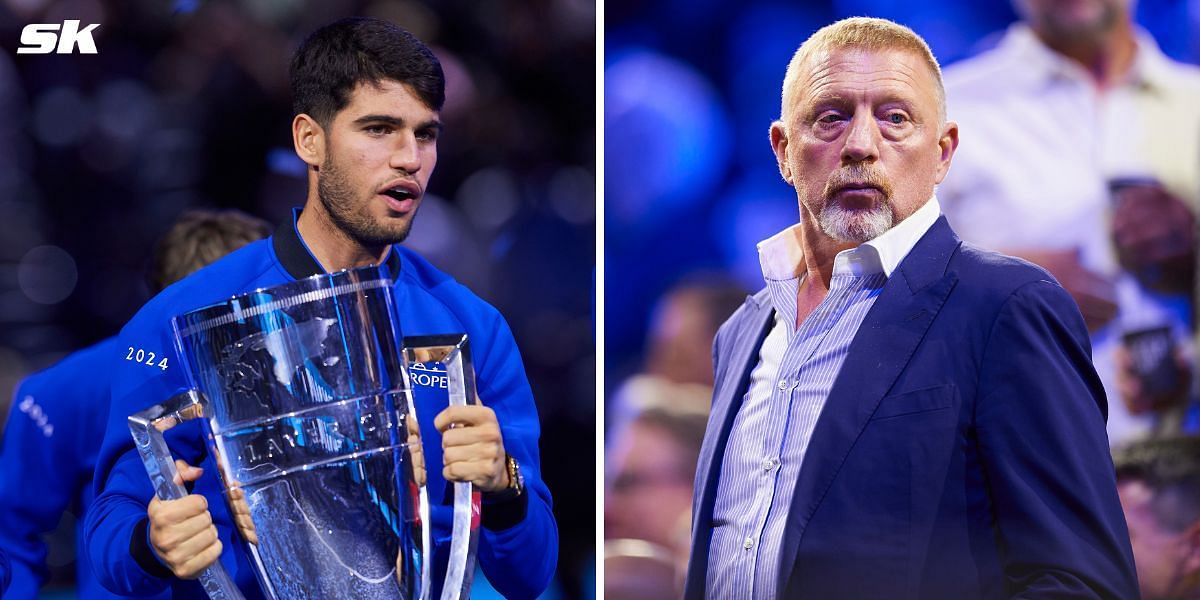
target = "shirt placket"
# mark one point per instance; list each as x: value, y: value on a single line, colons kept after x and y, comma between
x: 777, y: 416
x: 802, y: 344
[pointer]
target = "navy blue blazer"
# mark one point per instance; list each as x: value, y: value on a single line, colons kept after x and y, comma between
x: 962, y: 452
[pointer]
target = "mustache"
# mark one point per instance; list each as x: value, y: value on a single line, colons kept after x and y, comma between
x: 857, y: 175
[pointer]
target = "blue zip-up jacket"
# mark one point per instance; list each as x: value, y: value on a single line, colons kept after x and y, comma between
x: 519, y: 542
x: 49, y: 450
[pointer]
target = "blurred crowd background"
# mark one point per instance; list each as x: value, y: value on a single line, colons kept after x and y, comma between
x: 690, y: 89
x: 187, y: 105
x: 691, y: 186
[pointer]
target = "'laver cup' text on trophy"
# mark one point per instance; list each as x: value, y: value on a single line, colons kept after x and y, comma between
x: 303, y: 394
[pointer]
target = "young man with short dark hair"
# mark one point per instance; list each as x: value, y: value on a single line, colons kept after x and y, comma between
x: 367, y: 99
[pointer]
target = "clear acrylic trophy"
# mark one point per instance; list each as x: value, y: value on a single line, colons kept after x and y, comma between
x: 303, y: 393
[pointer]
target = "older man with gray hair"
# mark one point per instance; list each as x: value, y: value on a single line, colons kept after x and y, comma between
x: 898, y: 414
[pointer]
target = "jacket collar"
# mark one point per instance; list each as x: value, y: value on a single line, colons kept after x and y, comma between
x: 299, y: 261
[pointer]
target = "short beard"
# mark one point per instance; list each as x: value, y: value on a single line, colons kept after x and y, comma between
x: 337, y: 196
x: 1091, y: 34
x: 855, y: 226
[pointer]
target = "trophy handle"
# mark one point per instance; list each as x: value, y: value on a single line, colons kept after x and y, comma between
x: 454, y: 352
x: 147, y: 428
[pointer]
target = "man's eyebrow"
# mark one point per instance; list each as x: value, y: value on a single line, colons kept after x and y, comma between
x: 824, y: 101
x: 828, y: 98
x: 838, y: 99
x: 395, y: 121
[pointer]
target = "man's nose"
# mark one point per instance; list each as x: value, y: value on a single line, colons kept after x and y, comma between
x: 406, y: 156
x: 862, y: 139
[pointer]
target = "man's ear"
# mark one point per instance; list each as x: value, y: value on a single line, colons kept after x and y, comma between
x: 308, y: 138
x: 779, y: 144
x: 947, y: 144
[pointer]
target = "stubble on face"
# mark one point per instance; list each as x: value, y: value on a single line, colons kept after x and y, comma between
x: 1075, y: 22
x: 337, y: 196
x: 855, y: 225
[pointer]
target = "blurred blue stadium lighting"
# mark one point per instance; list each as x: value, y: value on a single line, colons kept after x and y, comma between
x: 759, y: 205
x: 666, y: 138
x: 761, y: 43
x: 47, y: 274
x: 61, y: 116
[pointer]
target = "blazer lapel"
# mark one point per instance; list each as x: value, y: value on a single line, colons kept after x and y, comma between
x: 881, y: 349
x: 741, y: 358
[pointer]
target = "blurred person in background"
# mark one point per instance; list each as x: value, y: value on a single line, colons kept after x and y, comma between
x: 367, y: 101
x: 677, y: 368
x: 684, y: 324
x: 657, y: 419
x: 1081, y: 153
x: 639, y: 570
x: 651, y: 463
x: 897, y: 413
x: 1159, y: 483
x: 58, y: 415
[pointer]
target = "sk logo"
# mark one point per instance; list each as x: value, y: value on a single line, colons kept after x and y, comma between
x: 41, y: 38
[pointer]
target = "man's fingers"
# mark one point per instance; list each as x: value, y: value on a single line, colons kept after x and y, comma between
x: 1129, y: 388
x: 192, y: 567
x: 473, y: 448
x: 193, y: 545
x: 480, y: 472
x: 480, y: 464
x: 183, y: 534
x: 169, y: 512
x: 245, y: 525
x: 186, y: 472
x: 460, y: 472
x: 241, y: 514
x: 170, y: 535
x: 470, y: 415
x: 466, y: 436
x: 483, y: 453
x: 430, y: 354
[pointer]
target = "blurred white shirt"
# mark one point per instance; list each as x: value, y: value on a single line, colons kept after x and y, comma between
x: 1039, y: 143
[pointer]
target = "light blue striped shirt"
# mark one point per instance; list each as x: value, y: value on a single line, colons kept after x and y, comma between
x: 788, y: 388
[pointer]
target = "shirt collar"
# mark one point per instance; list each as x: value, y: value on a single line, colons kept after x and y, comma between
x: 781, y: 256
x: 1150, y: 66
x: 299, y: 261
x: 1041, y: 64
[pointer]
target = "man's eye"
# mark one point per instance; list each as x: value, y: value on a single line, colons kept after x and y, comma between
x: 376, y: 129
x: 829, y: 118
x: 897, y: 118
x: 427, y: 135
